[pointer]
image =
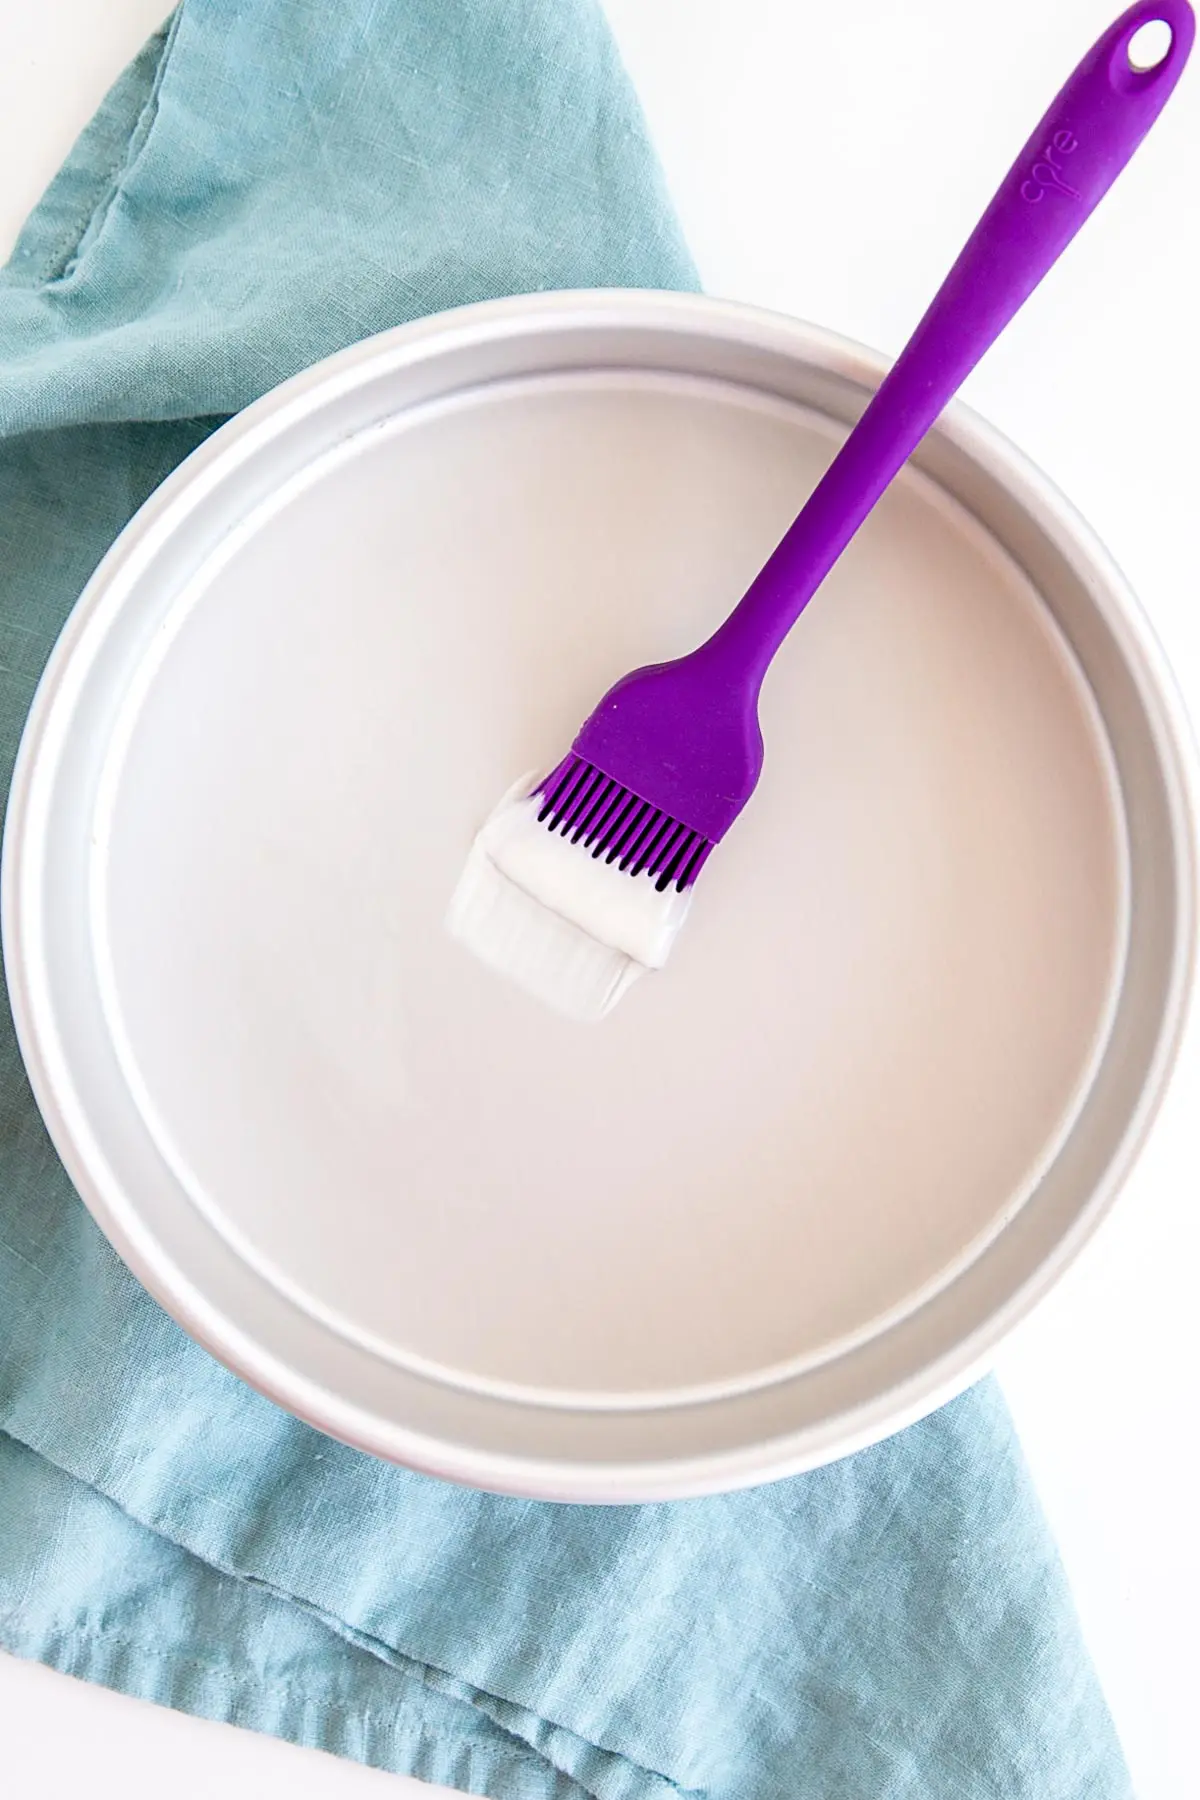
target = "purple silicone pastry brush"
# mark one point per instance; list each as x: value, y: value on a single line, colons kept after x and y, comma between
x: 577, y: 886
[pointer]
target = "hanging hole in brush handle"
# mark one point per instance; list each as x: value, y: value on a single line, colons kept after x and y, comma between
x: 1148, y: 46
x: 1088, y: 134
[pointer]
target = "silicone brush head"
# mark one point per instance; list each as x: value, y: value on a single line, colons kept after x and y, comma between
x: 588, y: 807
x: 578, y: 884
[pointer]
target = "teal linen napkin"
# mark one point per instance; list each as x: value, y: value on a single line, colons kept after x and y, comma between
x: 265, y: 184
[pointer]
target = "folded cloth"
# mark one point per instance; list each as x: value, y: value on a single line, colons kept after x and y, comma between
x: 265, y: 184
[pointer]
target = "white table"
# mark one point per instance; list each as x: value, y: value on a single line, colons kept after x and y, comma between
x: 828, y: 161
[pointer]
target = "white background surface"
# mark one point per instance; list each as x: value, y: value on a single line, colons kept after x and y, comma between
x: 829, y: 162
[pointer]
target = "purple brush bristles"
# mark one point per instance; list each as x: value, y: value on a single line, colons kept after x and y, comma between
x: 587, y: 806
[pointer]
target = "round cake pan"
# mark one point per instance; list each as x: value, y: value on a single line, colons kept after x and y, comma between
x: 795, y: 1191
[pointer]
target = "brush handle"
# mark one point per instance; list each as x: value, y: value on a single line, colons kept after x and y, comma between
x: 1088, y: 135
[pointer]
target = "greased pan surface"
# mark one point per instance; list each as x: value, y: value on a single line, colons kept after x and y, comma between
x: 796, y: 1189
